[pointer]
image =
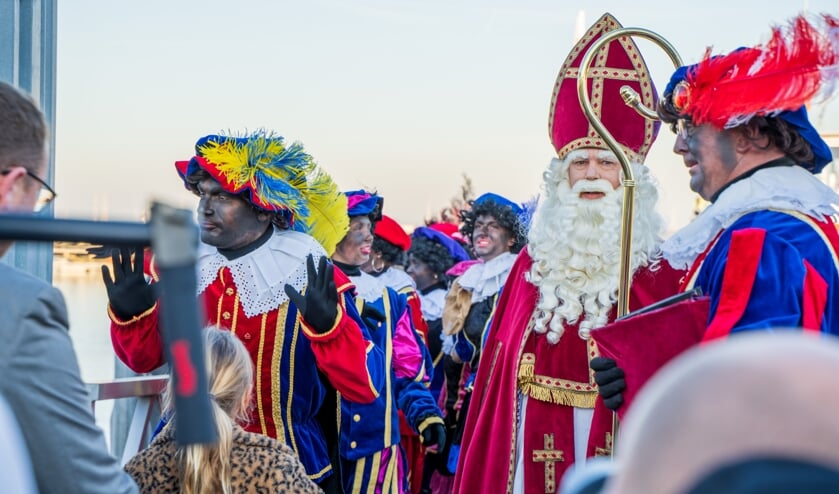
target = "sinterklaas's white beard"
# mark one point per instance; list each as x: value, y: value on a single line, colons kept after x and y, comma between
x: 575, y: 247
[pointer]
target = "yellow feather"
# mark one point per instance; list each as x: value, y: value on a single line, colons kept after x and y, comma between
x: 328, y: 222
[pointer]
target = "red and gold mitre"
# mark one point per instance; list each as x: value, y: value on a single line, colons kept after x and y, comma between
x: 617, y: 64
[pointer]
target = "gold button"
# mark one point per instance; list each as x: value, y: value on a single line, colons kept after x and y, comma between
x: 225, y: 315
x: 353, y: 444
x: 229, y: 291
x: 247, y: 336
x: 356, y: 417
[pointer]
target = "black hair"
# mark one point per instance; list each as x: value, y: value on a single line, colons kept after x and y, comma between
x: 390, y: 252
x: 433, y: 254
x: 503, y: 214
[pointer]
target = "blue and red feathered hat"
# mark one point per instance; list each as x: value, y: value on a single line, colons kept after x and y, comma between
x: 274, y: 177
x: 779, y: 78
x: 364, y: 203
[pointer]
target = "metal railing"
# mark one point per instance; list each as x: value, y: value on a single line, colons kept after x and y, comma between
x: 147, y: 390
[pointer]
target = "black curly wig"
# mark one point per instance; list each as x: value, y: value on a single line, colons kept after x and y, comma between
x: 390, y: 252
x: 504, y: 215
x: 432, y: 254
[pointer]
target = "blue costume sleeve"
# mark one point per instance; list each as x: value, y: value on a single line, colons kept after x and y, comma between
x: 778, y: 292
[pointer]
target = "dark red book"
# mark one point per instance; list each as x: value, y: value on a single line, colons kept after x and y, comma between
x: 644, y: 341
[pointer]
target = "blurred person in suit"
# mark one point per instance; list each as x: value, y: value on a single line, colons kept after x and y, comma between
x: 41, y: 380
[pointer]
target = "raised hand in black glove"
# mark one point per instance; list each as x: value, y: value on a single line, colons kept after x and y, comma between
x: 128, y: 292
x: 434, y: 436
x: 319, y: 307
x: 610, y: 381
x: 372, y: 316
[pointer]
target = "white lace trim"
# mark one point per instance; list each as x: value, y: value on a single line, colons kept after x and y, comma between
x: 368, y: 287
x: 486, y: 278
x: 788, y: 187
x: 260, y: 276
x: 397, y: 279
x: 432, y: 304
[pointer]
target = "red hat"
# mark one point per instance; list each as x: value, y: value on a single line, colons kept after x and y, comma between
x: 388, y: 229
x: 447, y: 228
x: 617, y: 64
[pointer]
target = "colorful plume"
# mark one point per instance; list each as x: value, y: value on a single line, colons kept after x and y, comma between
x: 796, y: 65
x: 279, y: 178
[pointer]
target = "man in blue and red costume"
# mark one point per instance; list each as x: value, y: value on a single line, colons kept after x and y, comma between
x: 495, y: 227
x: 373, y: 460
x: 267, y: 215
x: 766, y: 250
x: 390, y: 244
x: 534, y: 407
x: 431, y: 255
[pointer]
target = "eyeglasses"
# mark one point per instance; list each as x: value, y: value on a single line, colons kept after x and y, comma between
x: 683, y: 128
x: 45, y: 194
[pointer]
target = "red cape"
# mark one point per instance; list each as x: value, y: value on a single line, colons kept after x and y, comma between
x: 487, y: 456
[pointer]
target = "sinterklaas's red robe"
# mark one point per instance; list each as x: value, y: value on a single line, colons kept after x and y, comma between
x: 556, y: 378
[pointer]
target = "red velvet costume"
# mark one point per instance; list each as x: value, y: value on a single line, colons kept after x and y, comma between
x: 556, y: 378
x: 287, y: 355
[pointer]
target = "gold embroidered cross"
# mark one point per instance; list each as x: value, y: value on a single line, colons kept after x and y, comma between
x: 607, y: 451
x: 549, y: 456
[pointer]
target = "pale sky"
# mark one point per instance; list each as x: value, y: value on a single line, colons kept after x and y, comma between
x: 396, y: 95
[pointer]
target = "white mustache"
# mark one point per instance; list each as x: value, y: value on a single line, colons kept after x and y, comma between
x: 598, y: 185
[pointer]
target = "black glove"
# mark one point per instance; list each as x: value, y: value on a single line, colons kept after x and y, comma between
x: 128, y: 292
x: 434, y: 436
x: 610, y: 381
x: 372, y: 316
x: 319, y: 307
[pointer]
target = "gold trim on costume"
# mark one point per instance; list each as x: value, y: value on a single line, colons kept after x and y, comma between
x: 235, y: 312
x: 220, y: 276
x: 276, y: 382
x: 291, y: 377
x: 434, y: 419
x: 370, y: 346
x: 120, y: 322
x: 258, y: 375
x: 388, y: 373
x: 315, y: 476
x: 391, y: 483
x: 359, y: 474
x: 553, y: 390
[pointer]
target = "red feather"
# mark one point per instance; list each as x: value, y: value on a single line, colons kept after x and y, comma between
x: 783, y: 74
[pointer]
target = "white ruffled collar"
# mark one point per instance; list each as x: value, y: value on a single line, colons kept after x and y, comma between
x: 486, y: 279
x: 370, y: 288
x: 397, y: 279
x: 432, y: 304
x: 785, y: 187
x: 260, y: 276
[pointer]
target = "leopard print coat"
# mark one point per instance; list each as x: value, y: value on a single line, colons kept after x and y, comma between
x: 260, y: 464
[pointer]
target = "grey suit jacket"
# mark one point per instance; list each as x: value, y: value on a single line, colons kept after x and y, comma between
x: 39, y: 377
